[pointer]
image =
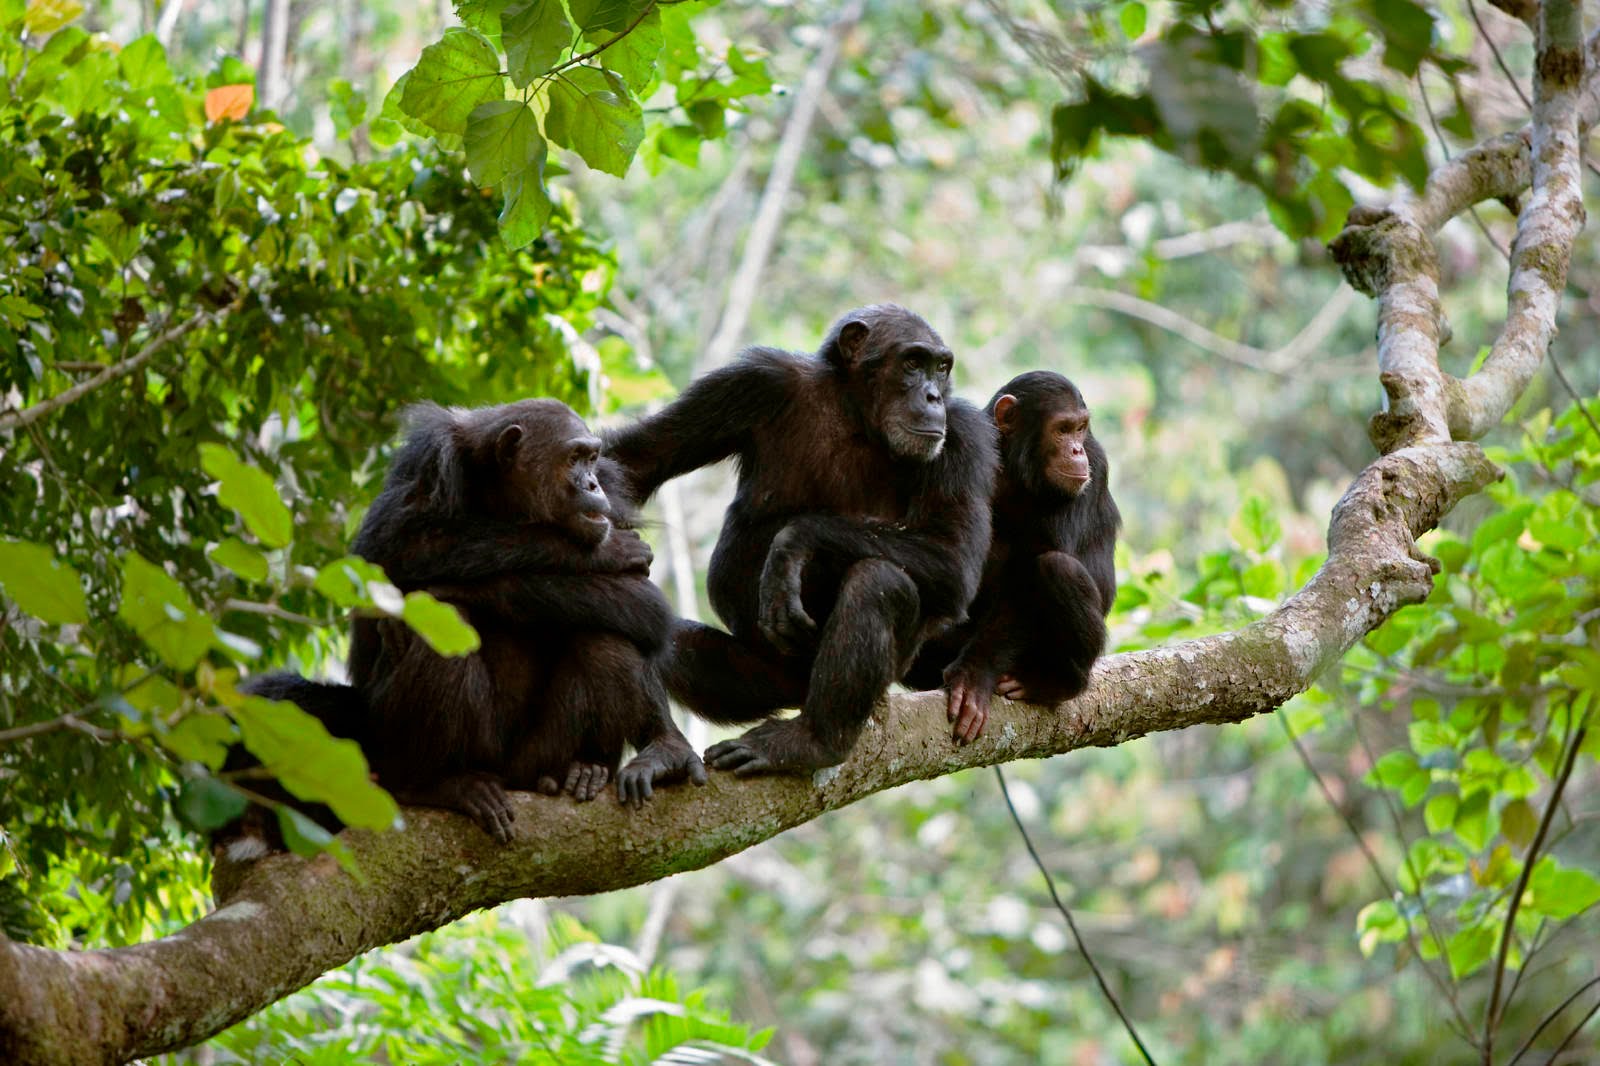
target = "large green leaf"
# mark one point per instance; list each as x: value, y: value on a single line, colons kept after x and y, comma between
x: 46, y: 588
x: 440, y: 624
x: 451, y: 79
x: 535, y: 34
x: 593, y: 113
x: 251, y: 492
x: 633, y: 54
x: 613, y: 15
x: 527, y: 208
x: 503, y: 141
x: 313, y: 764
x: 160, y: 612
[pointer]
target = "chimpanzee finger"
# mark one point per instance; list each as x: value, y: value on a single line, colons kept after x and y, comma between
x: 975, y: 724
x: 548, y: 786
x: 574, y: 775
x: 953, y: 699
x: 697, y: 770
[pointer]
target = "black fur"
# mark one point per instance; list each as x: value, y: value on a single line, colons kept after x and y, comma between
x: 1039, y: 618
x: 859, y: 527
x: 500, y: 512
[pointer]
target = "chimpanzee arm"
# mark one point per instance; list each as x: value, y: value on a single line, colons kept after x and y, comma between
x: 710, y: 421
x: 629, y: 606
x: 418, y: 550
x: 941, y: 545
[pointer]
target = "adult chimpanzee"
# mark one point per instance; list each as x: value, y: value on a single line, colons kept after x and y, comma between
x: 859, y: 526
x: 1038, y: 622
x: 501, y: 512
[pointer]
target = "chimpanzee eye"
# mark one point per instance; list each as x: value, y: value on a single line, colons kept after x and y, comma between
x: 944, y: 367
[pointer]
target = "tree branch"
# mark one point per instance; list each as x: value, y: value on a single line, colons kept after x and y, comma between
x: 29, y: 415
x: 285, y: 920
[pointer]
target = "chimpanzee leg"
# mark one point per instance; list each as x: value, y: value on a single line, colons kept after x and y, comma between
x: 729, y: 681
x: 863, y: 643
x: 663, y: 753
x: 579, y: 724
x: 1071, y: 632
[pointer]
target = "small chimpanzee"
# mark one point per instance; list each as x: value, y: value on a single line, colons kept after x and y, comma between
x: 859, y: 527
x: 1038, y: 622
x: 501, y: 512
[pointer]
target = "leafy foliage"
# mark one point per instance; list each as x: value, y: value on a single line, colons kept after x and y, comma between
x: 522, y: 75
x: 247, y: 316
x: 469, y: 993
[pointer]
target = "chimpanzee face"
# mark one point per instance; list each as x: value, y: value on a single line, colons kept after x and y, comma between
x: 1046, y: 438
x: 548, y: 459
x: 905, y: 371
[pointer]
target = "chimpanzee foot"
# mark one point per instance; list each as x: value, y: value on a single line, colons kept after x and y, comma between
x: 1011, y: 688
x: 785, y: 746
x: 660, y: 762
x: 586, y: 780
x: 480, y: 797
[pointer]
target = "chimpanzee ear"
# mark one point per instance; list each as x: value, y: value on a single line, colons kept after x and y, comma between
x: 505, y: 445
x: 851, y: 337
x: 1005, y: 412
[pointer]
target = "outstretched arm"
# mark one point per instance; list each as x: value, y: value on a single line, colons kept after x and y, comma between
x: 710, y: 421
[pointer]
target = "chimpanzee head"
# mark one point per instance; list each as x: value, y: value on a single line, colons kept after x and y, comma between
x: 530, y: 461
x: 896, y: 369
x: 1044, y: 434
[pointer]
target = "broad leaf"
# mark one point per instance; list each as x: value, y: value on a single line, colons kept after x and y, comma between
x: 49, y: 590
x: 160, y: 612
x: 440, y: 624
x: 503, y: 141
x: 592, y: 113
x: 451, y: 79
x: 535, y: 34
x: 235, y: 555
x: 251, y: 492
x: 312, y: 763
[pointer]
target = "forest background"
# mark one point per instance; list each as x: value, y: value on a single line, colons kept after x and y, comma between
x: 223, y: 296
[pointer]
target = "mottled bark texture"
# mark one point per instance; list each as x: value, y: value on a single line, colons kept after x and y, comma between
x: 1388, y: 253
x: 284, y: 921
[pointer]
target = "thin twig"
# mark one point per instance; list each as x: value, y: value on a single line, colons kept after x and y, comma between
x: 1552, y: 1016
x: 270, y: 610
x: 1496, y: 1010
x: 591, y: 53
x: 1556, y: 1054
x: 54, y: 725
x: 29, y: 415
x: 1083, y: 949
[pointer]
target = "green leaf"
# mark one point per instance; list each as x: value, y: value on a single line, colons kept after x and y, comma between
x: 593, y: 113
x: 251, y: 492
x: 503, y: 140
x: 1561, y: 893
x: 1133, y: 18
x: 160, y: 612
x: 41, y: 585
x: 48, y: 16
x: 451, y: 79
x: 1473, y: 824
x: 347, y: 106
x: 1393, y: 770
x: 144, y: 63
x: 534, y: 34
x: 308, y: 839
x: 202, y: 738
x: 614, y: 15
x: 1255, y: 528
x: 1519, y: 822
x: 206, y: 803
x: 633, y: 56
x: 1469, y: 949
x: 312, y: 764
x: 1560, y: 521
x: 527, y: 208
x: 348, y: 581
x: 235, y: 555
x: 1440, y: 812
x: 440, y: 624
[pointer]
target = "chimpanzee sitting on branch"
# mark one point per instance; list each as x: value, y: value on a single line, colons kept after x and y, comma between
x: 1038, y: 622
x: 859, y: 527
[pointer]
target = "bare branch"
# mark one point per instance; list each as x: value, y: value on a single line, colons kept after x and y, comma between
x: 116, y: 371
x: 769, y: 214
x: 55, y: 725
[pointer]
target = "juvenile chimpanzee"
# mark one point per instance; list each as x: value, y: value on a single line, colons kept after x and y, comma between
x: 501, y: 512
x: 1038, y: 622
x: 859, y: 527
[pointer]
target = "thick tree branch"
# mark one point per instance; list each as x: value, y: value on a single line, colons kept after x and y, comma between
x: 1388, y: 253
x: 285, y: 921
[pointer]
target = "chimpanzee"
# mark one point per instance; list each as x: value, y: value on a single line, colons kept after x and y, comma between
x: 501, y: 512
x: 1038, y: 622
x: 859, y: 527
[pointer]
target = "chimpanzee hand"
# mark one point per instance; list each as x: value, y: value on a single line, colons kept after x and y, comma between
x: 783, y: 618
x: 622, y: 552
x: 968, y: 692
x: 662, y: 761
